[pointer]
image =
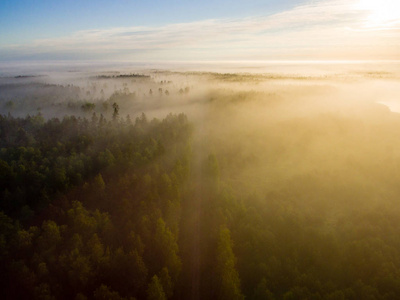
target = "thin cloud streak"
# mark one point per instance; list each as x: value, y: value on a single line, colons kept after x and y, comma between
x: 309, y: 31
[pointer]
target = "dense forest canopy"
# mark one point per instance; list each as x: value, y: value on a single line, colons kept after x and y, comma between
x: 168, y: 185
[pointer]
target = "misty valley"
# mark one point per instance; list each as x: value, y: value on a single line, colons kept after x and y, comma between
x: 172, y: 183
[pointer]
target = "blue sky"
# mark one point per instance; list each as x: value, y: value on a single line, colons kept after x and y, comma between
x: 26, y: 20
x: 173, y: 30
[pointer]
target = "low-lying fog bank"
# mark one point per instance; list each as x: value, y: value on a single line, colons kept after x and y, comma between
x: 277, y: 118
x: 268, y: 122
x: 82, y: 88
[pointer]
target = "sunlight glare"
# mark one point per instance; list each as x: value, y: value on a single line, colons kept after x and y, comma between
x: 380, y: 12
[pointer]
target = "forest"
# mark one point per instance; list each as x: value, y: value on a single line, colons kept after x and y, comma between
x: 199, y: 185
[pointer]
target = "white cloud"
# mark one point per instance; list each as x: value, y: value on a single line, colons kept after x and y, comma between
x: 331, y: 29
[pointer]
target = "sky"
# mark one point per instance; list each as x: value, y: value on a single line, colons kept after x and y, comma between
x: 219, y: 30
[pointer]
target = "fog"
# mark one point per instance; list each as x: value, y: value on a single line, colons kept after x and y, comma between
x: 312, y: 144
x: 313, y: 114
x: 176, y: 87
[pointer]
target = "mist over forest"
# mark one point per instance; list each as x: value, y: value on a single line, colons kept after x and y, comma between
x: 200, y: 181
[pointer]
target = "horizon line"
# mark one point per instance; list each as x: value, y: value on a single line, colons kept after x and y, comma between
x: 239, y: 61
